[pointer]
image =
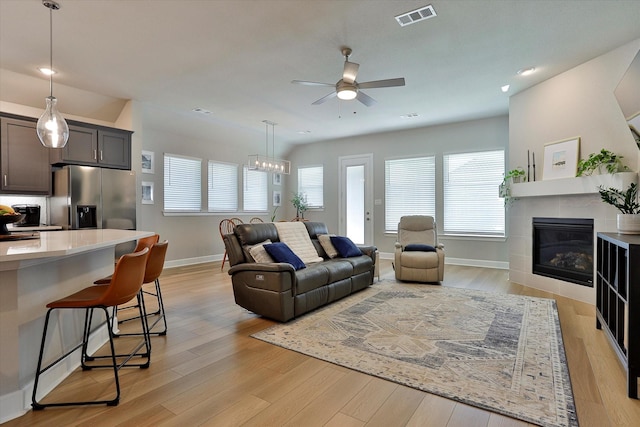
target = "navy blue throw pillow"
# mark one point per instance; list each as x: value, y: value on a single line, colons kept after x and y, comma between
x: 345, y: 247
x: 280, y: 252
x: 417, y: 247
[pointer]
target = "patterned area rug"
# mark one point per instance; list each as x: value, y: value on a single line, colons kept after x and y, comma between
x: 499, y: 352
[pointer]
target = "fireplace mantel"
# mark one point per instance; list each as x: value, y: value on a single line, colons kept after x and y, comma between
x: 572, y: 186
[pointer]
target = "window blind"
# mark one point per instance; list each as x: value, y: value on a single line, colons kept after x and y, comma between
x: 409, y: 188
x: 471, y: 202
x: 182, y: 183
x: 222, y: 184
x: 255, y: 190
x: 310, y: 183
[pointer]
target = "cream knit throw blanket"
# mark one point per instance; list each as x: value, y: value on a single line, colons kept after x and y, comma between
x: 295, y: 235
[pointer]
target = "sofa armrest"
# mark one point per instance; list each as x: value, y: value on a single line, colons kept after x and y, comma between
x: 369, y: 251
x: 277, y: 277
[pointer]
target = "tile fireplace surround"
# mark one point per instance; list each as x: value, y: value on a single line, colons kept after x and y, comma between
x: 562, y: 198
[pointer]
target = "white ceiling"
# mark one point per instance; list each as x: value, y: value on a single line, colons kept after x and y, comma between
x: 237, y: 58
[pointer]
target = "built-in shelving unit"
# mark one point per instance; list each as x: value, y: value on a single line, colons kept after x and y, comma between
x: 618, y: 299
x: 577, y: 185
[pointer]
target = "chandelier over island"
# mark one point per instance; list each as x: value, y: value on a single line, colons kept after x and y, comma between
x: 269, y: 163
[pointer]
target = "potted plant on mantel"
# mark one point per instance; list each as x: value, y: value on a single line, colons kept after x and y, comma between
x: 626, y: 201
x: 514, y: 175
x: 603, y: 162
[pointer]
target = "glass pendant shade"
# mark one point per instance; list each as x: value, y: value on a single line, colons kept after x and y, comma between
x: 52, y: 129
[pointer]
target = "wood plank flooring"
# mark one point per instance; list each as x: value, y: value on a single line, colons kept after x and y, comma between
x: 209, y: 371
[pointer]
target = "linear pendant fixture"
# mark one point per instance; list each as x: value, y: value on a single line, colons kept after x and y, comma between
x: 269, y: 163
x: 52, y: 129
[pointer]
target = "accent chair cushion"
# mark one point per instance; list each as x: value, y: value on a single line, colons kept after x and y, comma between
x: 280, y: 252
x: 345, y: 247
x: 417, y: 247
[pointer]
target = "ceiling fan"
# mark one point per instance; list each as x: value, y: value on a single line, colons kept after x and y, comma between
x: 347, y: 87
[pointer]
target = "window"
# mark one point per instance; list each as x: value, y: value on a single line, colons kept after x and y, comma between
x: 255, y: 190
x: 182, y: 180
x: 310, y: 183
x: 471, y: 203
x: 222, y: 183
x: 409, y: 189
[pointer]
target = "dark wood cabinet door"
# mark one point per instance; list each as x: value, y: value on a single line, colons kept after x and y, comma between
x: 24, y: 161
x: 114, y: 149
x: 82, y: 147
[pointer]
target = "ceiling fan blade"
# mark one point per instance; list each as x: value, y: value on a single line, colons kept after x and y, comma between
x: 382, y: 83
x: 350, y: 72
x: 325, y: 98
x: 306, y: 83
x: 365, y: 99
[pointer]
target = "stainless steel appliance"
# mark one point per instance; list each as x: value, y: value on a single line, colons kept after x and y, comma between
x: 90, y: 197
x: 31, y: 215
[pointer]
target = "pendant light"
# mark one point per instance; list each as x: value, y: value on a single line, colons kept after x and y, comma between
x: 267, y: 163
x: 52, y: 129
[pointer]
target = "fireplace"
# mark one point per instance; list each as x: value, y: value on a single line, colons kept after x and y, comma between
x: 563, y: 249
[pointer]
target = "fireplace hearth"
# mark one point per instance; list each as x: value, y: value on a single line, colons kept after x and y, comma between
x: 563, y: 249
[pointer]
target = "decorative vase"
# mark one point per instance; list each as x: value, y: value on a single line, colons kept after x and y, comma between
x: 628, y: 223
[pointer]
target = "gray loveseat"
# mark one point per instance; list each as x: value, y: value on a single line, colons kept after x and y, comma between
x: 279, y: 292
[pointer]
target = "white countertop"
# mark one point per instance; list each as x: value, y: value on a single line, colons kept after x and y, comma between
x: 66, y: 242
x: 13, y: 229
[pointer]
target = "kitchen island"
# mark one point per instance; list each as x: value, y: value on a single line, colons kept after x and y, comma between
x: 33, y: 273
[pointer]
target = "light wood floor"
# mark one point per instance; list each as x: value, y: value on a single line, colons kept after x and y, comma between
x: 209, y: 371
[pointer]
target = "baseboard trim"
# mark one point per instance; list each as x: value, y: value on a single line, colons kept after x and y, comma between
x: 502, y: 265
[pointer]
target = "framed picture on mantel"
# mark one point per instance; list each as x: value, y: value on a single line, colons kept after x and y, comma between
x: 561, y: 159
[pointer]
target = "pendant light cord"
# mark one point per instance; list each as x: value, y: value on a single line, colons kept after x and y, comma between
x: 51, y: 52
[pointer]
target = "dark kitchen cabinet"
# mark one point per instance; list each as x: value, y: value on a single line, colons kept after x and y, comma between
x: 618, y: 300
x: 88, y: 146
x: 24, y: 161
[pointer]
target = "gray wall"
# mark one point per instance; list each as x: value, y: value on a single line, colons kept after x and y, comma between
x: 490, y: 133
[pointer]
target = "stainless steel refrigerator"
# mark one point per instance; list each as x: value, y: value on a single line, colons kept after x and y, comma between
x: 90, y: 197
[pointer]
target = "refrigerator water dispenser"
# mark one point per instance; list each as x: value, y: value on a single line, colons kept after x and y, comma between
x: 87, y: 216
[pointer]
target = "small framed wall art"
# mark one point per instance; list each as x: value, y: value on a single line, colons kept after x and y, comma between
x: 147, y: 162
x: 277, y: 179
x: 277, y: 198
x: 147, y: 193
x: 561, y: 159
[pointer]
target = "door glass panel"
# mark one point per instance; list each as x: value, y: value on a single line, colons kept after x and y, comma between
x: 355, y: 203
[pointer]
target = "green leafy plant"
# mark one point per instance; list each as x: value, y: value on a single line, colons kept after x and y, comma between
x: 299, y: 202
x: 517, y: 173
x: 504, y: 190
x: 626, y: 201
x: 604, y: 159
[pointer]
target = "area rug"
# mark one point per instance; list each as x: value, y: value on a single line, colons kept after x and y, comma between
x: 500, y: 352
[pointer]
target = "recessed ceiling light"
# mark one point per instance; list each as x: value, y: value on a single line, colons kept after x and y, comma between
x: 505, y: 88
x: 46, y: 71
x: 526, y: 71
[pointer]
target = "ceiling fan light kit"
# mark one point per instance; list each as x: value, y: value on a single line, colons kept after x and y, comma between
x: 51, y: 128
x: 267, y: 163
x: 348, y: 88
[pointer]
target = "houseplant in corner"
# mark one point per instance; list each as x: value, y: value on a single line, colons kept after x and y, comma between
x: 299, y: 202
x: 604, y: 161
x: 626, y: 201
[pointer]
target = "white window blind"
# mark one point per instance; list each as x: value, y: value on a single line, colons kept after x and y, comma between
x: 182, y: 183
x: 310, y: 183
x: 222, y: 183
x: 409, y: 188
x: 255, y: 190
x: 471, y: 203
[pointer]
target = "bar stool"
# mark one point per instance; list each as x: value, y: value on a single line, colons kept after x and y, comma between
x: 153, y: 269
x: 124, y: 286
x: 144, y: 242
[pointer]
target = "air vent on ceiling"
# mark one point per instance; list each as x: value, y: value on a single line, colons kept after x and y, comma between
x: 420, y: 14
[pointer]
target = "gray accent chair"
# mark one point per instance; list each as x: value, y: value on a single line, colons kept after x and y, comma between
x: 418, y: 266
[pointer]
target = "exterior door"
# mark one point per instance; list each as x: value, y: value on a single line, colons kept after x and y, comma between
x: 356, y: 198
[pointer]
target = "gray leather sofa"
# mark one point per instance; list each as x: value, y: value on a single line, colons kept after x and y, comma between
x: 276, y: 290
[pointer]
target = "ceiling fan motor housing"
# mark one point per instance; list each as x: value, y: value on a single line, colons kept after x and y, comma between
x: 346, y: 90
